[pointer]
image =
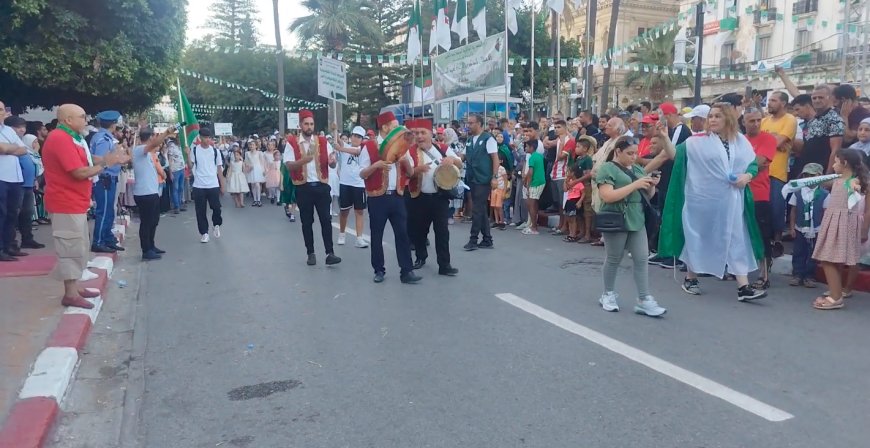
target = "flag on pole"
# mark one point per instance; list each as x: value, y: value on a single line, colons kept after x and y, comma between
x: 440, y: 35
x: 478, y: 18
x: 558, y: 6
x: 511, y: 7
x: 460, y: 20
x: 414, y: 45
x: 188, y: 121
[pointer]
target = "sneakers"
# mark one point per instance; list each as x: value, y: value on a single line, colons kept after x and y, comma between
x: 649, y: 307
x: 692, y: 286
x: 471, y: 245
x: 204, y: 238
x: 361, y: 243
x: 217, y: 231
x: 341, y: 239
x: 332, y: 259
x: 608, y: 301
x: 529, y: 231
x: 523, y: 226
x: 747, y: 293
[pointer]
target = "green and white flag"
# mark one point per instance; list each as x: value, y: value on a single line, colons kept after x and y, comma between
x: 478, y: 18
x: 511, y: 7
x: 440, y: 35
x: 460, y: 21
x: 414, y: 45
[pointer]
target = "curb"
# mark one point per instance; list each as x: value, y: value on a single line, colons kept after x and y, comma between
x: 33, y: 416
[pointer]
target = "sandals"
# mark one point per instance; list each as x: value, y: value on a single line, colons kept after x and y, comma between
x: 796, y: 281
x: 843, y: 295
x: 570, y: 239
x: 761, y: 284
x: 827, y: 303
x: 583, y: 240
x: 598, y: 243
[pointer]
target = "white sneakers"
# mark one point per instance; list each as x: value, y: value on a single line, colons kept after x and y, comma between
x: 608, y: 301
x: 361, y: 242
x: 341, y: 239
x: 217, y: 231
x: 204, y: 238
x: 646, y: 305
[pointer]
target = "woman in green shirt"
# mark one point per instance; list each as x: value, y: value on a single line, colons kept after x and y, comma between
x: 620, y: 185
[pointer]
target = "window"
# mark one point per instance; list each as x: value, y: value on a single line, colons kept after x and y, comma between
x: 802, y: 41
x: 727, y: 55
x: 762, y: 48
x: 641, y: 31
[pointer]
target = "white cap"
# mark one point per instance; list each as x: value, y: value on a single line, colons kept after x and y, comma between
x: 700, y: 111
x: 359, y: 131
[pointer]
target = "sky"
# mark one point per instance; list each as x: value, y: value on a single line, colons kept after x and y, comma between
x: 199, y: 11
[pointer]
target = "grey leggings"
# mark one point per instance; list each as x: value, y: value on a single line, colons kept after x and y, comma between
x: 615, y: 245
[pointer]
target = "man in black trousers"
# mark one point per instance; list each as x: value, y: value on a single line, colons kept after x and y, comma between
x: 481, y: 160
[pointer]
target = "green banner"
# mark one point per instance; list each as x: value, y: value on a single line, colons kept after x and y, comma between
x: 471, y: 68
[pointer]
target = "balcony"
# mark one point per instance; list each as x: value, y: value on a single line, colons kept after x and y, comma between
x: 765, y: 17
x: 805, y: 7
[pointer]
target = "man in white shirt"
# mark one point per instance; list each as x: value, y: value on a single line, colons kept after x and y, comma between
x: 308, y: 160
x: 429, y: 207
x: 11, y: 181
x: 206, y: 165
x: 352, y: 189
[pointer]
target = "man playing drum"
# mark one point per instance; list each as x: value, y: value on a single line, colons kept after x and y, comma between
x: 429, y: 206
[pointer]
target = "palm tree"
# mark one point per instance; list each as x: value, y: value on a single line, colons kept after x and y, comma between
x: 657, y: 53
x: 333, y: 22
x: 611, y: 35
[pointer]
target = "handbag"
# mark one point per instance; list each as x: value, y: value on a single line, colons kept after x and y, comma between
x: 609, y: 222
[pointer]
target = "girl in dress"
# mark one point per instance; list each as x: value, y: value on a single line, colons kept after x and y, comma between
x: 843, y: 229
x: 237, y: 185
x: 273, y: 177
x: 255, y: 164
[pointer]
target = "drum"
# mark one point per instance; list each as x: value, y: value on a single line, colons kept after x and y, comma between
x: 446, y: 176
x: 396, y: 144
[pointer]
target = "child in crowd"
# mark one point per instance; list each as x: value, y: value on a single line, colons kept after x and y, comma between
x: 496, y: 198
x: 843, y: 231
x: 586, y: 147
x: 575, y: 192
x: 237, y: 183
x: 805, y: 218
x: 273, y: 177
x: 533, y: 184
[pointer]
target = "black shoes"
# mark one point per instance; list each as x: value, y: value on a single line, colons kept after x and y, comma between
x: 6, y: 257
x: 312, y: 260
x: 379, y: 277
x: 151, y: 255
x: 116, y: 247
x: 31, y: 245
x: 332, y: 259
x: 449, y: 271
x: 472, y: 245
x: 486, y: 245
x: 419, y: 263
x: 15, y: 252
x: 747, y: 293
x: 102, y: 250
x: 410, y: 278
x: 159, y: 251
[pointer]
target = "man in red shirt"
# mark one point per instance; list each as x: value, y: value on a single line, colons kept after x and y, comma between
x: 764, y: 145
x: 647, y: 125
x: 69, y: 168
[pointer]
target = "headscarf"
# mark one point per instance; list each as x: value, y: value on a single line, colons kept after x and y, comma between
x: 863, y: 146
x: 450, y: 136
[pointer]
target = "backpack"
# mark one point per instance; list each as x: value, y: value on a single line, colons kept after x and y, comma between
x: 212, y: 148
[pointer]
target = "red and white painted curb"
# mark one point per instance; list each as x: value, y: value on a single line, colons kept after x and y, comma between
x: 34, y: 414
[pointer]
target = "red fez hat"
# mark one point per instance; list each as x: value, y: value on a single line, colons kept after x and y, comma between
x: 419, y: 123
x: 385, y: 118
x: 305, y: 113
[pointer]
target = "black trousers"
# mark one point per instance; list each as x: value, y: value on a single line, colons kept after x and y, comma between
x: 149, y: 217
x: 311, y: 197
x: 389, y: 207
x: 10, y: 203
x: 431, y: 210
x: 25, y: 215
x: 480, y: 212
x: 201, y: 197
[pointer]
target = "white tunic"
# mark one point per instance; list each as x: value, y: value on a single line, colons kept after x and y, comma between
x: 715, y: 231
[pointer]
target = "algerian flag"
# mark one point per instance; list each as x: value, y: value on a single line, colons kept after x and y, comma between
x: 460, y: 20
x: 556, y: 5
x: 511, y: 8
x: 440, y: 35
x: 414, y: 45
x: 478, y: 18
x: 423, y: 90
x: 187, y: 119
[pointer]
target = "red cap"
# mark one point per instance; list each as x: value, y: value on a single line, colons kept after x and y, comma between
x: 385, y: 118
x: 668, y: 108
x: 419, y: 123
x: 370, y: 133
x: 440, y: 130
x: 305, y: 113
x: 650, y: 119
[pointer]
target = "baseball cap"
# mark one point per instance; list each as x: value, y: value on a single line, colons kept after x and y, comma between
x: 700, y: 111
x: 650, y: 119
x: 813, y: 168
x: 668, y: 108
x: 358, y: 131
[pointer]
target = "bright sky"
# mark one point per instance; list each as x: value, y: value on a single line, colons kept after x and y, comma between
x: 199, y: 12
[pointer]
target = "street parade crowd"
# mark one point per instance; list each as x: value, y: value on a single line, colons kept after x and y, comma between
x: 713, y: 191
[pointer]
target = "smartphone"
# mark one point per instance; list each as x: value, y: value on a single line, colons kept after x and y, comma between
x: 656, y: 174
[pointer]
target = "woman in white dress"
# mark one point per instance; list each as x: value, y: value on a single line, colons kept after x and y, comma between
x: 255, y: 167
x: 237, y: 185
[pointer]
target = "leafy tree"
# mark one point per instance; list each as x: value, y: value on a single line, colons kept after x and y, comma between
x: 659, y: 53
x: 99, y: 54
x: 235, y: 23
x: 332, y: 23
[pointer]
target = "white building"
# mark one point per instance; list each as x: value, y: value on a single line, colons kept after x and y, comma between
x: 745, y: 39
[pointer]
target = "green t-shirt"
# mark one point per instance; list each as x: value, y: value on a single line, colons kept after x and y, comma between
x: 585, y: 163
x: 536, y: 163
x: 631, y: 205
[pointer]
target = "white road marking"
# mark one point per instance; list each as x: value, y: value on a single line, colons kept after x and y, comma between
x: 680, y: 374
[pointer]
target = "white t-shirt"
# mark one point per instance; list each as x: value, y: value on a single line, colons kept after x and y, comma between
x: 205, y: 170
x: 491, y: 145
x: 348, y: 171
x: 433, y: 158
x: 304, y: 147
x: 365, y: 162
x: 10, y: 168
x: 560, y: 168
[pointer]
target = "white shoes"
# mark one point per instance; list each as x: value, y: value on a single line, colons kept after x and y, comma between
x: 217, y: 231
x: 608, y: 301
x: 204, y: 238
x: 361, y: 243
x: 341, y: 239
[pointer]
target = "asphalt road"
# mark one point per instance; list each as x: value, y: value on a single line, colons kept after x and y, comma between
x: 249, y: 347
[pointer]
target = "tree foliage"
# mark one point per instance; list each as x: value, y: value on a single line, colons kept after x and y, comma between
x: 333, y: 23
x: 656, y: 53
x: 99, y: 54
x: 235, y: 23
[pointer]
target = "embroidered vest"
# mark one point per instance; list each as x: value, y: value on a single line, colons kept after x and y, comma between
x: 378, y: 182
x: 415, y: 184
x: 321, y: 162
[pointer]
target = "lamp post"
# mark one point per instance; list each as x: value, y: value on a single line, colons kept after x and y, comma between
x: 573, y: 96
x: 680, y: 44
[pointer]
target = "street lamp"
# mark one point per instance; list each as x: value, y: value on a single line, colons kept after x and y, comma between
x: 573, y: 96
x: 680, y: 44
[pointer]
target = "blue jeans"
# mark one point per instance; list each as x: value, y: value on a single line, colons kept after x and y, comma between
x: 104, y: 215
x: 802, y: 264
x: 777, y: 205
x: 177, y: 188
x: 10, y: 203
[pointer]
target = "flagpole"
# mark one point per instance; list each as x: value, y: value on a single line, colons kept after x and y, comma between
x: 532, y: 70
x: 558, y: 63
x: 182, y: 120
x: 507, y: 110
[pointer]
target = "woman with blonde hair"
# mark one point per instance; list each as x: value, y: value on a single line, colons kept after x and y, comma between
x: 709, y: 215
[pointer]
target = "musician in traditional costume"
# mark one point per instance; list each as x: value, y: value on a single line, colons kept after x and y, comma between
x: 308, y: 160
x: 385, y: 168
x: 430, y: 207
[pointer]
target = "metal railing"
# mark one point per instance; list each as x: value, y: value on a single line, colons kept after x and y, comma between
x: 763, y: 17
x: 805, y: 7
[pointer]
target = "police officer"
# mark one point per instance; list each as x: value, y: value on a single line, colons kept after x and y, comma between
x: 102, y: 143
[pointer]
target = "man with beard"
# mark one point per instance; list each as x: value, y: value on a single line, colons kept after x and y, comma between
x: 429, y: 207
x: 308, y: 159
x: 828, y: 127
x: 481, y: 175
x: 783, y: 127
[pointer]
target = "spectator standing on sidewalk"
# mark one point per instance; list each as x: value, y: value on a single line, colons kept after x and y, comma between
x: 206, y: 164
x: 106, y: 185
x: 11, y: 179
x: 783, y: 127
x: 846, y: 101
x: 69, y: 168
x: 764, y: 145
x: 29, y: 171
x: 146, y: 189
x: 176, y: 169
